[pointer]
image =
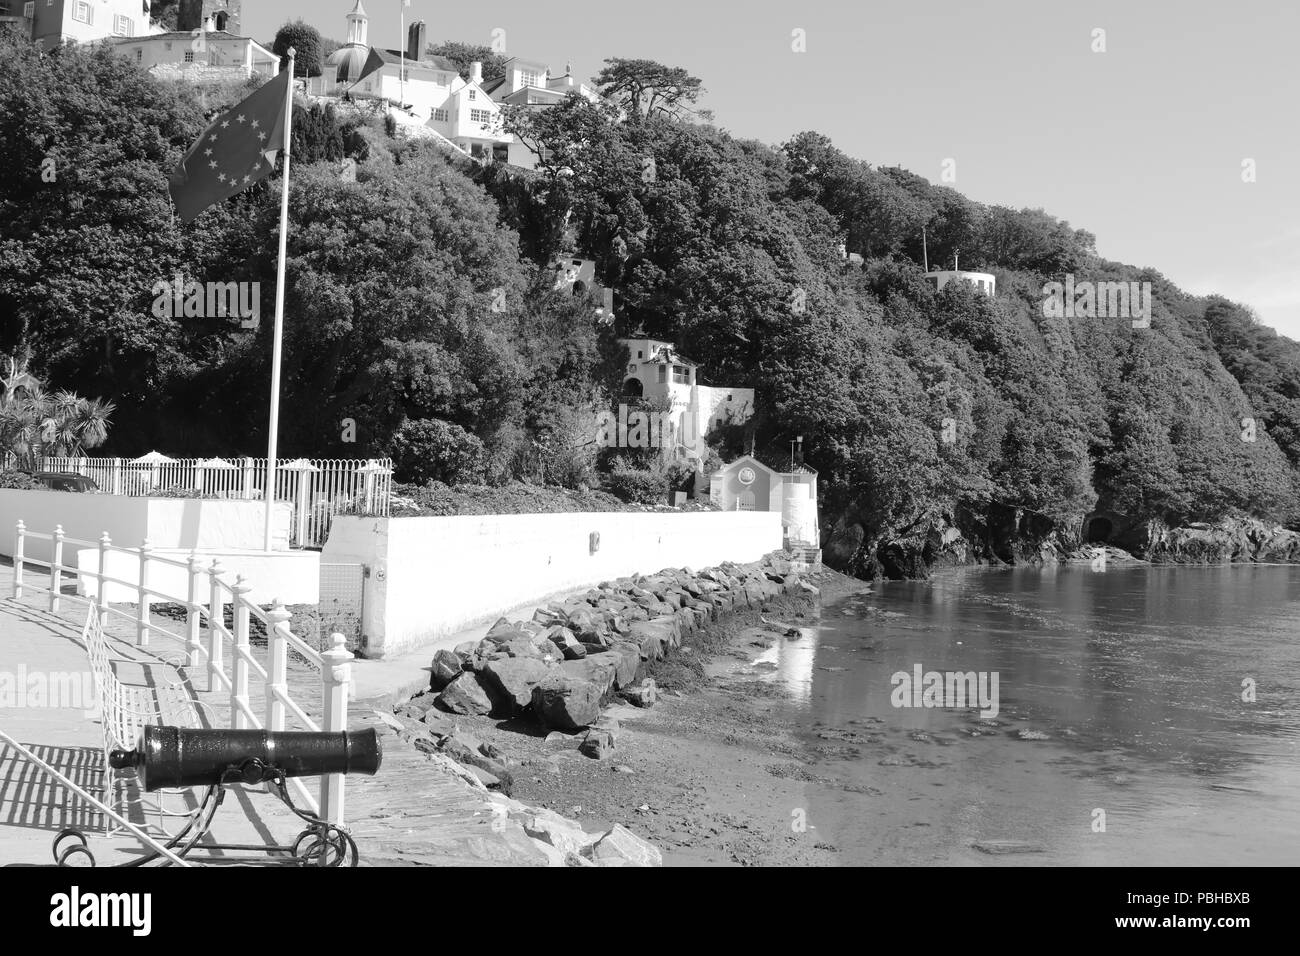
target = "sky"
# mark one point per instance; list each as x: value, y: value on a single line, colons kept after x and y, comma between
x: 1146, y: 143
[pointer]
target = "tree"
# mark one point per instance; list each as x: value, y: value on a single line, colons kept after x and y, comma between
x: 306, y: 42
x: 646, y: 88
x: 35, y: 423
x: 463, y: 54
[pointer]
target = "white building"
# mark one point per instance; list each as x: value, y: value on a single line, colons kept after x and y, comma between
x: 52, y: 23
x: 983, y: 281
x: 530, y: 83
x: 419, y: 88
x: 747, y: 484
x: 208, y: 54
x: 657, y: 371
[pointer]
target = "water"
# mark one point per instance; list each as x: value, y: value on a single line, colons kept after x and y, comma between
x: 1135, y: 677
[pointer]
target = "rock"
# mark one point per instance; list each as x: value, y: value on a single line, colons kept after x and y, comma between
x: 653, y: 637
x: 520, y: 647
x: 390, y: 721
x: 566, y: 701
x: 627, y: 661
x: 621, y: 847
x: 546, y: 617
x: 439, y: 724
x: 465, y: 649
x: 598, y: 744
x: 554, y: 830
x: 514, y: 678
x: 466, y: 695
x: 597, y: 668
x: 446, y: 667
x: 643, y: 694
x: 555, y: 736
x: 486, y: 778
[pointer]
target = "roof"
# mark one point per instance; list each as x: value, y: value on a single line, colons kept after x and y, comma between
x: 431, y: 62
x: 184, y: 35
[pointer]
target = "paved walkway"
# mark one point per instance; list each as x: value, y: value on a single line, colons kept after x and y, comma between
x: 413, y: 812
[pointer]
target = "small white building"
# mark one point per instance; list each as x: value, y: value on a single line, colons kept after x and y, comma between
x: 52, y: 23
x: 747, y: 484
x: 657, y: 371
x: 983, y: 281
x: 211, y: 54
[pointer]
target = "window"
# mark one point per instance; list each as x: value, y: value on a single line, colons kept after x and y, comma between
x: 663, y: 374
x: 527, y: 78
x: 29, y: 9
x: 681, y: 375
x: 632, y: 367
x: 189, y: 56
x: 480, y: 116
x: 440, y: 115
x: 82, y: 12
x: 473, y: 94
x: 638, y: 355
x: 122, y: 26
x: 139, y: 56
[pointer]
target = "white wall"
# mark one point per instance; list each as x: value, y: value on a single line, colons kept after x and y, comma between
x: 433, y: 577
x: 291, y: 577
x: 217, y: 524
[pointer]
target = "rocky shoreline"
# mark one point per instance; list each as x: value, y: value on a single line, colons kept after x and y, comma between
x: 565, y: 675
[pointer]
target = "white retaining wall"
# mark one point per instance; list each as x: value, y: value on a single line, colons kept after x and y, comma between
x: 181, y: 523
x: 434, y: 577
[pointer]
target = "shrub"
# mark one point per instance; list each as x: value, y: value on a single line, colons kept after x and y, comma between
x: 648, y: 486
x: 429, y: 449
x: 19, y: 480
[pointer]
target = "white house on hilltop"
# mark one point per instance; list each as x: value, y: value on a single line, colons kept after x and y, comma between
x: 209, y: 54
x: 425, y: 89
x: 529, y: 83
x: 51, y: 23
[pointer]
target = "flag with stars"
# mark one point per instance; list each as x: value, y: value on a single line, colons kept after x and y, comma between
x: 237, y: 150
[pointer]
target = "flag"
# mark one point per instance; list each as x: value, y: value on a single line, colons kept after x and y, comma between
x: 237, y: 150
x: 374, y: 63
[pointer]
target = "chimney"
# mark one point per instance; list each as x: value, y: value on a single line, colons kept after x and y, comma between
x: 189, y: 16
x: 476, y: 72
x: 417, y: 41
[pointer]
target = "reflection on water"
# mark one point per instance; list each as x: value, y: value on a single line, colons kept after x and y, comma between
x: 1121, y: 700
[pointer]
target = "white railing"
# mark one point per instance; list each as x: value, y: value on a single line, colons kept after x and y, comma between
x: 318, y: 488
x: 204, y: 604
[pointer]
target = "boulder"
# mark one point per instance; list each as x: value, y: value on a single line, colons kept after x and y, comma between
x: 503, y: 631
x: 642, y: 694
x: 598, y: 745
x: 566, y: 701
x: 550, y: 828
x: 597, y: 668
x: 467, y: 694
x: 621, y: 847
x: 521, y: 647
x: 446, y: 667
x: 627, y: 661
x: 514, y: 679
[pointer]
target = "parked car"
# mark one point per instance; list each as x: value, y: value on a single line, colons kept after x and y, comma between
x: 66, y: 481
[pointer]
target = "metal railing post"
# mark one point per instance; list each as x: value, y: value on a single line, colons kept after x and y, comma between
x: 19, y: 530
x: 277, y: 670
x: 239, y: 656
x: 101, y: 593
x: 142, y: 609
x: 216, y: 620
x: 336, y: 681
x: 56, y: 569
x: 193, y: 617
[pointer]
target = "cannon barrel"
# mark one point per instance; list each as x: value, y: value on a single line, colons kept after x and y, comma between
x: 181, y: 757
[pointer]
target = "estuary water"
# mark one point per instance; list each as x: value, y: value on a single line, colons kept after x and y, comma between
x: 1125, y: 732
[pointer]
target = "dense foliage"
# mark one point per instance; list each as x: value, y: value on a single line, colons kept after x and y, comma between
x: 418, y: 293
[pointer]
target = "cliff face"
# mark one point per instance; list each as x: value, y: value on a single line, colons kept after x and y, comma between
x: 1012, y: 536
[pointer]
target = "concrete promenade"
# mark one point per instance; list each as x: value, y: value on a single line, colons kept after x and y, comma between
x: 414, y: 812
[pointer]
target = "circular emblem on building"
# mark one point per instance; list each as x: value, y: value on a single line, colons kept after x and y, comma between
x: 746, y: 475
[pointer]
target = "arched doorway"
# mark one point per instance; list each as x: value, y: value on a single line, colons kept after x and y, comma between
x: 1099, y: 531
x: 633, y: 388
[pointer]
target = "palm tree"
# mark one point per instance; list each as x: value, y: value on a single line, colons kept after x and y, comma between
x: 35, y: 423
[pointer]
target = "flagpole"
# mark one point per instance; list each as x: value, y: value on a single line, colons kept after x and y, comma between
x: 278, y: 342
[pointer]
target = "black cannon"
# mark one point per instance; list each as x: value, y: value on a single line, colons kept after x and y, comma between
x: 178, y: 757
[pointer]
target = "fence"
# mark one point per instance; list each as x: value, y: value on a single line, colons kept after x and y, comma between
x: 227, y: 657
x: 318, y: 488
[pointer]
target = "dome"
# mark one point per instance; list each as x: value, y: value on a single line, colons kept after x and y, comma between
x: 348, y: 62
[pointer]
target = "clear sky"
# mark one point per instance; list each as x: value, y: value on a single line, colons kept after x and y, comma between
x: 1142, y: 144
